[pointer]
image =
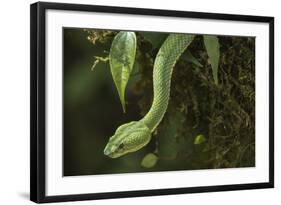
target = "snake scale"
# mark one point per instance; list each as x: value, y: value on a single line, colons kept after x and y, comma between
x: 134, y: 135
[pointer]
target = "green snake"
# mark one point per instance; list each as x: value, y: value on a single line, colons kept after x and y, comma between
x: 134, y: 135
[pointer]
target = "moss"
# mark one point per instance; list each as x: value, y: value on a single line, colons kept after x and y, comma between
x: 225, y: 114
x: 99, y: 35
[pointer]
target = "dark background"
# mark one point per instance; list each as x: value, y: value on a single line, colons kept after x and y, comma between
x: 92, y: 110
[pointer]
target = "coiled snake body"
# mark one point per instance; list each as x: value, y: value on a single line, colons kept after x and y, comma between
x: 134, y: 135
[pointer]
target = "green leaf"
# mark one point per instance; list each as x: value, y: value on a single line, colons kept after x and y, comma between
x: 121, y: 59
x: 156, y: 39
x: 213, y: 49
x: 199, y: 139
x: 187, y: 56
x: 149, y: 160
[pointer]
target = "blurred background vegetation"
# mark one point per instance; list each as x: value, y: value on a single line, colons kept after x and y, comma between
x: 206, y: 125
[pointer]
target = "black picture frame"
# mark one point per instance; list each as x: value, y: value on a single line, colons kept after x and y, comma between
x: 38, y: 101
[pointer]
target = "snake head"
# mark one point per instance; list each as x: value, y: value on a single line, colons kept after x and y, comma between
x: 129, y: 137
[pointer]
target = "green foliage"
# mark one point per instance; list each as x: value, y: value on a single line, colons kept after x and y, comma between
x: 224, y: 114
x: 199, y: 139
x: 121, y: 59
x: 213, y: 49
x: 149, y: 160
x: 188, y: 57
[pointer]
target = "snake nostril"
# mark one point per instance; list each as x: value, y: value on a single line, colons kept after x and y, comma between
x: 106, y: 150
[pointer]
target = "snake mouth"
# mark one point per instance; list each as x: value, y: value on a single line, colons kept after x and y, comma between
x: 108, y: 152
x: 111, y: 155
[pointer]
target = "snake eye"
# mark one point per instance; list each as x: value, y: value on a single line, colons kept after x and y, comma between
x: 121, y: 146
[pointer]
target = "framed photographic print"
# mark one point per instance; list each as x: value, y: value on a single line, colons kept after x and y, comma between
x: 129, y: 102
